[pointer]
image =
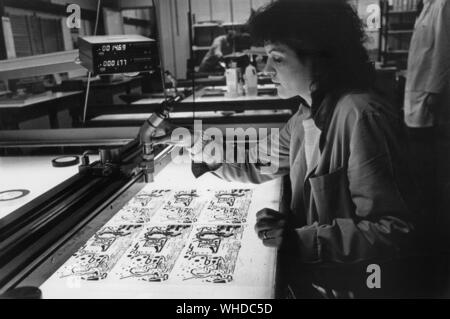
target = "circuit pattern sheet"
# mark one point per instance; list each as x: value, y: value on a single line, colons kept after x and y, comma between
x: 163, y: 235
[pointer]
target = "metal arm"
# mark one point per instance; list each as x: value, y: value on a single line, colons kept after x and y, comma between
x: 138, y: 155
x: 147, y: 133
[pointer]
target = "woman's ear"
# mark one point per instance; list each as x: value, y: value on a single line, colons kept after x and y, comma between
x: 313, y: 87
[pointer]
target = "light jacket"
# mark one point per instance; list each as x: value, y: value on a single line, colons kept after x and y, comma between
x: 428, y: 64
x: 219, y: 48
x: 358, y: 202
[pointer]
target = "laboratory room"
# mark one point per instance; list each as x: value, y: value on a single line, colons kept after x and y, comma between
x: 224, y: 149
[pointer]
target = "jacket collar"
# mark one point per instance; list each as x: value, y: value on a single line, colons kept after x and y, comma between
x: 323, y: 113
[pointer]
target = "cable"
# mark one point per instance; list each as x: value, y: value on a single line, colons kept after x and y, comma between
x: 192, y: 61
x: 88, y: 85
x: 161, y: 65
x: 97, y: 16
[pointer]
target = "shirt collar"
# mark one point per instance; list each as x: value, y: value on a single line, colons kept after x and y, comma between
x: 304, y: 111
x: 322, y: 113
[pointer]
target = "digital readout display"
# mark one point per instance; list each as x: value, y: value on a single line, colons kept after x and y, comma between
x: 114, y: 63
x: 113, y: 48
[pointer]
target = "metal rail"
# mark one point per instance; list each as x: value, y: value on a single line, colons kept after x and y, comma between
x: 31, y: 235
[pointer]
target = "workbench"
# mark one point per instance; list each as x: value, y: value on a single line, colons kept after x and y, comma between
x: 207, y: 103
x: 255, y: 268
x: 50, y: 104
x: 255, y: 274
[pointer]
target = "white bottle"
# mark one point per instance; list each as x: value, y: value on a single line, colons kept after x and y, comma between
x: 251, y: 81
x: 232, y: 78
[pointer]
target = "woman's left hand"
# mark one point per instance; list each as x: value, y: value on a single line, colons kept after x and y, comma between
x: 270, y: 227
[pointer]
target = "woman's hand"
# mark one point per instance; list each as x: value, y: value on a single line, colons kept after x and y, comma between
x: 201, y: 148
x: 206, y: 150
x: 271, y: 227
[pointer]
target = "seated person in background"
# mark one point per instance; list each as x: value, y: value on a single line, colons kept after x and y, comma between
x: 221, y: 46
x: 354, y: 202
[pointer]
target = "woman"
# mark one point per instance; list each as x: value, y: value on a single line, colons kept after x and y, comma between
x: 353, y: 202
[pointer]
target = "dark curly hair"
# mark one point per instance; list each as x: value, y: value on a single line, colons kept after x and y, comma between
x: 328, y: 31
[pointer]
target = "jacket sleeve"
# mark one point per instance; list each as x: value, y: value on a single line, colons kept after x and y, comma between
x: 266, y: 160
x: 217, y: 45
x: 440, y: 55
x: 381, y: 223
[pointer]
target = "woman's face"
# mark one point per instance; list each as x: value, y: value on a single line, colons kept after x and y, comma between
x: 291, y: 76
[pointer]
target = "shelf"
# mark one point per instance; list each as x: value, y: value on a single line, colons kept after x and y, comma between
x: 399, y: 31
x: 397, y: 28
x: 205, y: 25
x: 252, y: 50
x: 402, y: 12
x: 215, y: 24
x: 200, y: 48
x: 397, y: 52
x: 231, y: 24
